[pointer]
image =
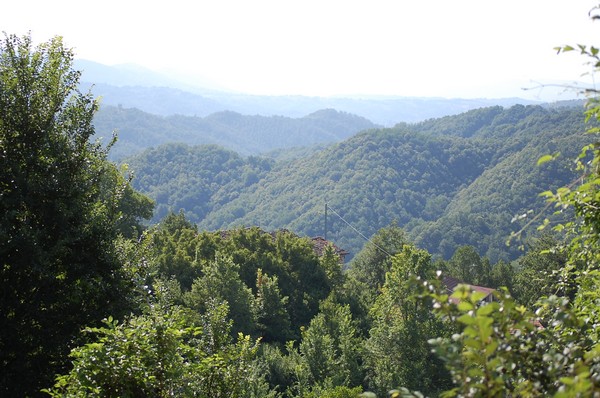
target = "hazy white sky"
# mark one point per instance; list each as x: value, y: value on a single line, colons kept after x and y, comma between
x: 458, y: 48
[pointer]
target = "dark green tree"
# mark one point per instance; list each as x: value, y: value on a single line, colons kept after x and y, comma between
x: 469, y: 267
x: 221, y: 281
x: 272, y: 318
x: 374, y: 260
x: 59, y: 215
x: 176, y: 249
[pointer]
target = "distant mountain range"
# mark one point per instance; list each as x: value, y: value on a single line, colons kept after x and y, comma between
x: 132, y: 86
x: 247, y: 135
x: 456, y: 180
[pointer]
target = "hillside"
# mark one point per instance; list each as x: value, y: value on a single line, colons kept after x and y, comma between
x: 449, y: 182
x: 198, y: 179
x: 247, y: 135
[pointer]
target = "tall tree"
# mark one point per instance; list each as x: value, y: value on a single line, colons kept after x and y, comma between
x: 58, y: 269
x: 468, y: 266
x: 221, y: 281
x: 397, y: 351
x: 375, y: 259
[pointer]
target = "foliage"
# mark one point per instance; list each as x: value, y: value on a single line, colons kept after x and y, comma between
x: 163, y: 353
x: 326, y: 361
x: 331, y: 348
x: 195, y: 179
x: 61, y: 207
x: 538, y: 272
x: 221, y: 281
x: 273, y: 282
x: 270, y: 309
x: 373, y: 262
x: 397, y: 351
x: 503, y: 348
x: 467, y: 266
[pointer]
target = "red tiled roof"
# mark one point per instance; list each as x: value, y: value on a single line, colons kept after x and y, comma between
x: 451, y: 283
x: 320, y: 243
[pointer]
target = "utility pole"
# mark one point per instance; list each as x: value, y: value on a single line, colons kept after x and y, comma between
x: 325, y: 235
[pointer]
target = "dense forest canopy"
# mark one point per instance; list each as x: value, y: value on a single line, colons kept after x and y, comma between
x: 208, y: 303
x: 453, y: 181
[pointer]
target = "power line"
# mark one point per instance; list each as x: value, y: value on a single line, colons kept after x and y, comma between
x: 328, y: 206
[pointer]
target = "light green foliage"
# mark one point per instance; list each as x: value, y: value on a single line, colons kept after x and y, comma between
x: 327, y: 359
x: 502, y: 348
x: 163, y: 353
x: 498, y: 350
x: 336, y: 392
x: 221, y: 281
x: 397, y: 351
x: 331, y: 348
x: 330, y: 262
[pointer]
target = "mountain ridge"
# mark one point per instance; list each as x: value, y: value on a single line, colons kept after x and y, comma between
x: 161, y: 94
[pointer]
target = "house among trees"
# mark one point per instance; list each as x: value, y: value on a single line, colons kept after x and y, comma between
x: 320, y: 243
x: 451, y: 284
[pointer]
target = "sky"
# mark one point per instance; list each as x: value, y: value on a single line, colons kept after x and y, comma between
x: 422, y: 48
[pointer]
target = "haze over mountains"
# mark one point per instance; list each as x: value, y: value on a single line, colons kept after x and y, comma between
x: 132, y: 86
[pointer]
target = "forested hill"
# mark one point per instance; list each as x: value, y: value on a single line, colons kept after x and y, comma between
x: 246, y: 135
x: 448, y: 182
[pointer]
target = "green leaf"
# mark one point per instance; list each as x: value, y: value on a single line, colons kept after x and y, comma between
x: 485, y: 310
x: 545, y: 159
x: 466, y: 319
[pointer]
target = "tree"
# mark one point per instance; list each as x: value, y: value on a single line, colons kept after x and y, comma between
x: 538, y: 269
x: 164, y: 353
x: 331, y: 348
x: 467, y: 266
x: 59, y: 211
x: 397, y: 351
x: 373, y: 261
x: 272, y: 319
x: 221, y: 281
